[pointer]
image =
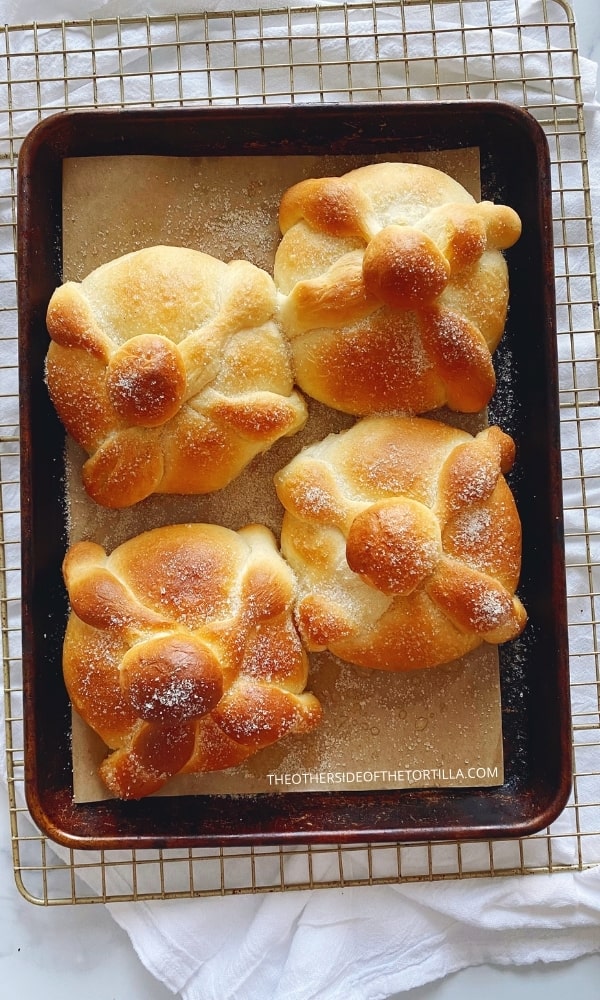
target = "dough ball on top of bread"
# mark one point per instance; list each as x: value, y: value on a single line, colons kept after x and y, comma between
x: 167, y: 367
x: 405, y: 540
x: 181, y: 652
x: 394, y: 289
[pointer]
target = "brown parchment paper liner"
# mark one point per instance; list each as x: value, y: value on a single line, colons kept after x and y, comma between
x: 430, y: 728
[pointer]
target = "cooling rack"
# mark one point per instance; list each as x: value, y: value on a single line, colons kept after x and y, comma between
x: 425, y: 49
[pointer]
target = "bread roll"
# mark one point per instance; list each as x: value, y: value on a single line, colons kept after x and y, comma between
x: 166, y: 365
x: 394, y: 289
x: 181, y: 653
x: 405, y: 540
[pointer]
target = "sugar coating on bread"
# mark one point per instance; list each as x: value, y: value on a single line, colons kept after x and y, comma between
x: 406, y: 542
x: 394, y: 289
x: 181, y: 653
x: 167, y: 367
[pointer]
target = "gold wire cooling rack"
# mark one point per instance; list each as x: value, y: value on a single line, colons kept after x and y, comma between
x: 420, y: 49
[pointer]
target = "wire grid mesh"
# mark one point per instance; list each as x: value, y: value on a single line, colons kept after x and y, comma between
x: 423, y: 49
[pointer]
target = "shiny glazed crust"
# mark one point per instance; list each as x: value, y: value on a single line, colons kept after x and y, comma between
x: 405, y: 540
x: 394, y: 289
x: 181, y: 652
x: 167, y: 367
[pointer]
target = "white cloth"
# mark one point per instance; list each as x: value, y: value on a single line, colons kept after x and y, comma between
x: 365, y: 942
x: 361, y: 943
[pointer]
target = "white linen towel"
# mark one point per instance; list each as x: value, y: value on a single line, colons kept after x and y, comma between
x: 366, y: 942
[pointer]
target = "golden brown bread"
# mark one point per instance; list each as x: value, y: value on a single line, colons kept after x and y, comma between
x: 394, y: 289
x: 405, y: 540
x: 166, y: 365
x: 181, y: 653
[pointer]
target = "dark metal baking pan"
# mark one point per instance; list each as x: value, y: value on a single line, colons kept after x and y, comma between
x: 515, y: 169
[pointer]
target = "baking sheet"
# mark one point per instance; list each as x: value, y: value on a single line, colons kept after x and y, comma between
x: 534, y: 676
x: 433, y: 728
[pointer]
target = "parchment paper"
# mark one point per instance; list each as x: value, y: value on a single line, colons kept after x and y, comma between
x: 431, y: 728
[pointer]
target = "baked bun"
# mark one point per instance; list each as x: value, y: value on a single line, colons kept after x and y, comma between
x: 166, y: 365
x: 181, y: 653
x: 395, y: 289
x: 405, y: 540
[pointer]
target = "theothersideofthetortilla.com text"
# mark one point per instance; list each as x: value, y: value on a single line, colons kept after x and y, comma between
x: 403, y: 777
